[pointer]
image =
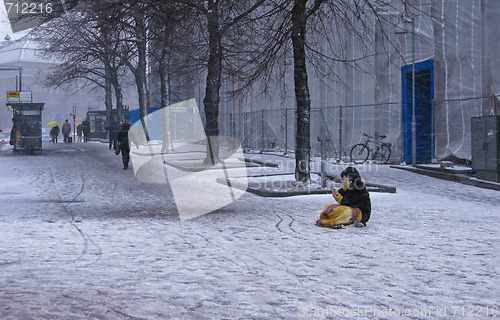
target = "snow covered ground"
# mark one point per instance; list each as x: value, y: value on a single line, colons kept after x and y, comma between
x: 80, y: 238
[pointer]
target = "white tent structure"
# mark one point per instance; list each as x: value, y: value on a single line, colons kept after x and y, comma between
x: 59, y: 103
x: 455, y: 55
x: 456, y: 70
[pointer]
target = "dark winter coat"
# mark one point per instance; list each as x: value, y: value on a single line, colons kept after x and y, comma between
x: 66, y: 128
x: 113, y: 128
x: 54, y: 131
x: 85, y: 127
x: 356, y: 196
x: 123, y: 139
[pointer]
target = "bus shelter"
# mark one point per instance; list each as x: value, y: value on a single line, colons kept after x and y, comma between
x: 26, y: 133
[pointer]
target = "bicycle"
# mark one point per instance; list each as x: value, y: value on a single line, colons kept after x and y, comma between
x: 362, y: 151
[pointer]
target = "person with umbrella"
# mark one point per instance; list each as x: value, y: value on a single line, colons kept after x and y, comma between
x: 54, y: 131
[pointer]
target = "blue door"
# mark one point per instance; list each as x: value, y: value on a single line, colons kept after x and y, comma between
x: 424, y: 95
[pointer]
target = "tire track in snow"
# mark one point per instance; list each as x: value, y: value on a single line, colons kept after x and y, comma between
x: 216, y: 245
x: 279, y: 222
x: 158, y: 236
x: 299, y: 234
x: 294, y: 233
x: 65, y: 205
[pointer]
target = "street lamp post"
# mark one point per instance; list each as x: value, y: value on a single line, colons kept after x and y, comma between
x: 74, y: 123
x: 19, y: 85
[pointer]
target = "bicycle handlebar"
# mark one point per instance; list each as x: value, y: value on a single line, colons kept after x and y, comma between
x: 370, y: 137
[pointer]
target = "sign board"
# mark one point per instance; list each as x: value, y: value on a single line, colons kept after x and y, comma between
x: 12, y: 97
x: 17, y: 97
x: 25, y: 96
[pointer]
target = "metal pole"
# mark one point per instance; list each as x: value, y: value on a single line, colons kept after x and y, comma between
x: 245, y: 138
x: 231, y: 124
x: 74, y: 124
x: 262, y: 131
x: 323, y: 140
x: 20, y: 79
x: 413, y: 120
x: 340, y: 134
x: 20, y: 70
x: 286, y: 131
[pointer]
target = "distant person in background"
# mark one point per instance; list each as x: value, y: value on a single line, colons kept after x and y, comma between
x: 54, y: 132
x: 16, y: 131
x: 85, y: 130
x: 112, y: 128
x: 123, y: 145
x: 66, y: 131
x: 79, y: 132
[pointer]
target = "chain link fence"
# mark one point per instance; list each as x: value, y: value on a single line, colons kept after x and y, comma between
x: 341, y: 127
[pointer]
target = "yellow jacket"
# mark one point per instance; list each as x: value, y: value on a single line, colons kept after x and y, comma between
x: 339, y: 196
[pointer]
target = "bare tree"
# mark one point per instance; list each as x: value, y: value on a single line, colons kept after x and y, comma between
x: 84, y: 43
x: 162, y: 33
x: 297, y: 26
x: 300, y: 15
x: 219, y: 16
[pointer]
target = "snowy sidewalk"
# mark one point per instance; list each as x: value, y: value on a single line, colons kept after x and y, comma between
x: 82, y: 239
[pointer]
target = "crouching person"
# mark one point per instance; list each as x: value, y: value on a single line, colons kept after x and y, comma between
x: 354, y: 206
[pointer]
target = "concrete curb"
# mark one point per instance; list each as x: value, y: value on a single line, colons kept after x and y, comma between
x: 261, y: 190
x: 455, y: 177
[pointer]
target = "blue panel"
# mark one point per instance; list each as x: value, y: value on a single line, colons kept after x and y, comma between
x: 133, y: 115
x: 424, y: 96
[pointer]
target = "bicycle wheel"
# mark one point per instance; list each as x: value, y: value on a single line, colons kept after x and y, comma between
x: 359, y: 153
x: 384, y: 153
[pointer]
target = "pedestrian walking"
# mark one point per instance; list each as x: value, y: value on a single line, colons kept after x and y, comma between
x: 354, y: 203
x: 85, y: 130
x: 112, y: 128
x: 15, y: 133
x: 66, y: 130
x: 123, y: 145
x: 79, y: 132
x: 54, y: 132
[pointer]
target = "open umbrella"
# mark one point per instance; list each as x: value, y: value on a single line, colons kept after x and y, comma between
x: 52, y: 124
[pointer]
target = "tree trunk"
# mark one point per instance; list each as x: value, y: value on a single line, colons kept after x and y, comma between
x: 108, y: 100
x: 167, y: 144
x: 140, y: 71
x: 212, y: 93
x: 303, y: 112
x: 118, y: 92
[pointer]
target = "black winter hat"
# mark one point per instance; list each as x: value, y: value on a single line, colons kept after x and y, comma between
x: 351, y: 172
x: 353, y: 176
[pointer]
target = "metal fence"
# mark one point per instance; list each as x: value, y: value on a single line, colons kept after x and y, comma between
x: 343, y: 126
x: 339, y: 126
